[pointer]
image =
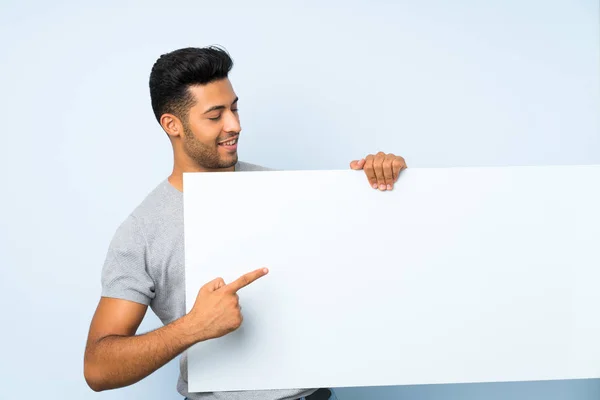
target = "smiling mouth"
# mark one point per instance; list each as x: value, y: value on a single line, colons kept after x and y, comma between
x: 230, y: 142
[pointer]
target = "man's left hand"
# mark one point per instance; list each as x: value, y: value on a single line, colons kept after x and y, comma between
x: 382, y: 169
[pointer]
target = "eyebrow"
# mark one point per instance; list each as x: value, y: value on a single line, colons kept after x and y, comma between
x: 220, y: 107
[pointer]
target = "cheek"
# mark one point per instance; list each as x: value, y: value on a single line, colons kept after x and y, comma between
x: 206, y: 132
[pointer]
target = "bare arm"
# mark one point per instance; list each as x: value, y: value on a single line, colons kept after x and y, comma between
x: 115, y: 357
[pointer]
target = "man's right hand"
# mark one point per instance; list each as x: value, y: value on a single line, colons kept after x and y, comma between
x: 116, y: 357
x: 217, y: 310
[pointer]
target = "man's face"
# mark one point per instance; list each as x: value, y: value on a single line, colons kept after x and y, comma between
x: 213, y: 126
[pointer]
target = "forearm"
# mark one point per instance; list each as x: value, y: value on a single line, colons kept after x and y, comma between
x: 117, y: 361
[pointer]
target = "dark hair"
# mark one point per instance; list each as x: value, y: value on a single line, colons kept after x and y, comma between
x: 174, y: 72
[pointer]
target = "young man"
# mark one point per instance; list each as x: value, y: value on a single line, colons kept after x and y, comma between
x: 195, y: 104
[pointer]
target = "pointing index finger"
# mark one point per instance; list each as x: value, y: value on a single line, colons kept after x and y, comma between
x: 246, y: 279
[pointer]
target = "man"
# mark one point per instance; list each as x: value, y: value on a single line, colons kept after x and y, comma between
x: 195, y: 104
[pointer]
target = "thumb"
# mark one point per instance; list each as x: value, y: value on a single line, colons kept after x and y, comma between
x: 213, y: 285
x: 357, y: 164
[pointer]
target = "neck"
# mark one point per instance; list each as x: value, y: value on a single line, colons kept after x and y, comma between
x: 182, y: 166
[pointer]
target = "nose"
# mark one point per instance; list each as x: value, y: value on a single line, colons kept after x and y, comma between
x: 232, y: 123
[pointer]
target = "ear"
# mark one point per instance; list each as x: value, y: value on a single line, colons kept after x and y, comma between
x: 172, y: 125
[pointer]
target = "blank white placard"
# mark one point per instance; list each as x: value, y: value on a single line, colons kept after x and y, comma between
x: 457, y: 275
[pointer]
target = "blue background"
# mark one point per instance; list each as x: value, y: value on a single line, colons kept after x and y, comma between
x: 464, y: 83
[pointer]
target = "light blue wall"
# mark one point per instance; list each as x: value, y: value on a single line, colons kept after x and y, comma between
x: 464, y: 83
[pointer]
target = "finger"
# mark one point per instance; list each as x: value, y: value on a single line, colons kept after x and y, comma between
x: 357, y: 164
x: 398, y: 165
x: 388, y: 172
x: 370, y: 171
x: 246, y: 279
x: 213, y: 285
x: 378, y: 167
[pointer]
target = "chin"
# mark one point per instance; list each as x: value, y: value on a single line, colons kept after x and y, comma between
x: 229, y: 161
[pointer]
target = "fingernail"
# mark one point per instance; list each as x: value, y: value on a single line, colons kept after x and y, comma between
x: 382, y: 186
x: 389, y: 187
x: 374, y: 186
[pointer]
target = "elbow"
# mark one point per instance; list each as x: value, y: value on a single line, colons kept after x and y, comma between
x: 92, y: 380
x: 94, y: 377
x: 94, y: 386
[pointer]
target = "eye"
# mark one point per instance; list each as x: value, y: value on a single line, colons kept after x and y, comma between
x: 215, y: 118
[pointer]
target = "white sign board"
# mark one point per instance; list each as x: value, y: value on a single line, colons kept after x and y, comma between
x: 457, y: 275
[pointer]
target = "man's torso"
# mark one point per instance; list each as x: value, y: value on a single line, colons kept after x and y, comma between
x: 145, y: 263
